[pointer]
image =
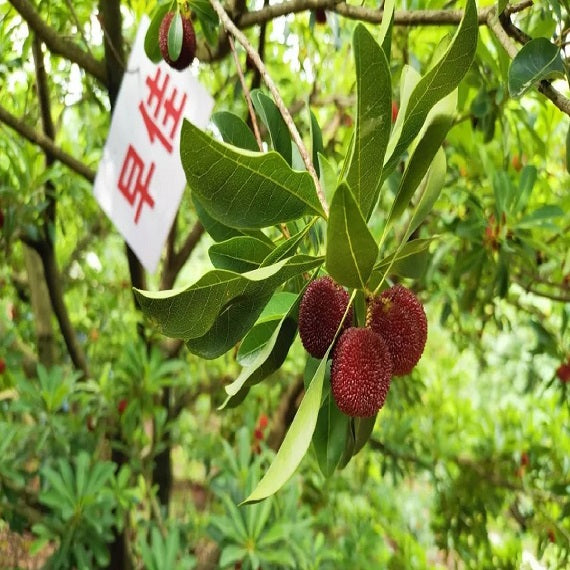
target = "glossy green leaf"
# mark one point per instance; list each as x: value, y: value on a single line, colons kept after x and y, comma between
x: 229, y: 326
x: 538, y: 59
x: 385, y: 30
x: 151, y: 45
x: 297, y: 440
x: 327, y: 177
x: 317, y: 140
x: 175, y: 37
x: 429, y: 192
x: 351, y: 249
x: 329, y: 439
x: 373, y: 119
x: 244, y: 189
x: 234, y: 131
x: 288, y: 247
x: 272, y: 119
x: 267, y: 359
x: 441, y: 80
x: 363, y: 428
x: 190, y: 313
x: 541, y: 217
x: 241, y: 254
x: 418, y: 165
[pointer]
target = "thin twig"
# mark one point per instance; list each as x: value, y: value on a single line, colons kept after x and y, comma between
x: 247, y: 95
x: 254, y: 56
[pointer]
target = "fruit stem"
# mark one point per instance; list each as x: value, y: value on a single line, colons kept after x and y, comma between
x: 232, y: 29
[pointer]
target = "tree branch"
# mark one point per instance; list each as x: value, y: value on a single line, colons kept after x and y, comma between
x: 503, y: 37
x: 405, y: 18
x: 58, y: 44
x: 46, y: 144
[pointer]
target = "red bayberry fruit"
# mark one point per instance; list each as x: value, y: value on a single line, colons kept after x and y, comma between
x: 563, y: 373
x: 394, y: 111
x: 258, y: 434
x: 361, y: 372
x: 188, y: 51
x: 399, y: 318
x: 320, y: 16
x: 122, y: 406
x: 263, y: 421
x: 320, y: 314
x: 2, y: 366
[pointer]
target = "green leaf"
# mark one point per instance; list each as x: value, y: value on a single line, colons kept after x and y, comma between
x: 441, y: 80
x: 373, y: 119
x: 267, y: 359
x: 527, y: 180
x: 272, y: 119
x: 351, y: 249
x: 190, y: 313
x: 363, y: 428
x: 288, y: 247
x: 385, y: 30
x: 175, y: 34
x: 234, y: 131
x: 429, y: 192
x: 241, y: 254
x: 296, y: 442
x: 317, y: 139
x: 418, y: 165
x: 568, y: 150
x: 151, y: 45
x: 204, y: 11
x: 262, y: 184
x: 329, y: 439
x: 235, y: 319
x: 541, y: 216
x: 327, y: 177
x: 538, y: 59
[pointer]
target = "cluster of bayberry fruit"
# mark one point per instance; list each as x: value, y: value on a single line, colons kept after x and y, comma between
x: 364, y: 359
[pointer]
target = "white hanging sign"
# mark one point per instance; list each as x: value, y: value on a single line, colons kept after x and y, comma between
x: 140, y: 180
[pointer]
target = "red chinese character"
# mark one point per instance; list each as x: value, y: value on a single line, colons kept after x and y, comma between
x: 160, y: 112
x: 131, y: 181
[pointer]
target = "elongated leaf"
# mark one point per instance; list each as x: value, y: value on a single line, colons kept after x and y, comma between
x: 363, y: 428
x: 267, y: 360
x: 441, y: 80
x: 541, y: 216
x: 385, y: 30
x: 191, y: 312
x: 296, y: 442
x: 527, y: 179
x: 330, y: 435
x: 175, y: 37
x: 538, y: 59
x: 418, y: 165
x: 317, y: 138
x: 373, y: 119
x: 242, y: 253
x: 272, y: 119
x: 232, y: 323
x: 151, y: 45
x: 234, y: 131
x: 244, y: 189
x: 287, y: 248
x: 351, y: 249
x: 429, y: 192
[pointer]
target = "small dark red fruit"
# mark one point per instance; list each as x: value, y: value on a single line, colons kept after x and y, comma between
x: 399, y: 318
x: 361, y: 372
x: 563, y: 372
x: 321, y: 16
x: 188, y: 51
x: 394, y: 111
x: 2, y: 366
x: 122, y: 406
x: 320, y: 314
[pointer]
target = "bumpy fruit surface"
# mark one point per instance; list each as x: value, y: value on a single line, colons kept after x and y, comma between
x: 320, y: 313
x: 399, y: 318
x: 188, y: 51
x: 361, y: 372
